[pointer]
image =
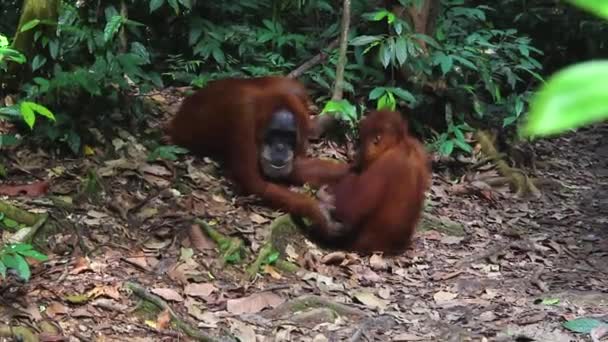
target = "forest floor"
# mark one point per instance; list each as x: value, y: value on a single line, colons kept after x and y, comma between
x: 522, y: 268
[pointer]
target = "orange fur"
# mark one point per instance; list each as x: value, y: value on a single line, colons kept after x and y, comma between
x: 380, y: 202
x: 227, y: 119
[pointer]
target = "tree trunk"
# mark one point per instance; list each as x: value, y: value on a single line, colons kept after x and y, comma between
x: 34, y: 9
x: 47, y: 10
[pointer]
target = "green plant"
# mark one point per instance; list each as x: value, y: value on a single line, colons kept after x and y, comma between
x: 9, y: 54
x: 13, y: 256
x: 573, y: 97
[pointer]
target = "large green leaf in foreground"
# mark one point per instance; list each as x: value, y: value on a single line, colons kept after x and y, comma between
x: 599, y: 7
x: 573, y: 97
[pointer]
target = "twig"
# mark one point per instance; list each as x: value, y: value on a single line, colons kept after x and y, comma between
x: 318, y: 58
x: 311, y: 301
x: 154, y: 299
x: 344, y: 26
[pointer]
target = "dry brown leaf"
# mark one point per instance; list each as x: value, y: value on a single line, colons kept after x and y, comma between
x: 254, y: 303
x: 80, y: 265
x: 451, y: 240
x: 56, y: 309
x: 163, y: 320
x: 257, y: 218
x: 403, y: 337
x: 244, y: 332
x: 199, y: 290
x: 168, y: 294
x: 156, y: 170
x: 82, y: 312
x: 199, y: 240
x: 274, y: 273
x: 370, y: 300
x: 377, y: 262
x: 444, y: 296
x: 35, y: 189
x: 333, y: 258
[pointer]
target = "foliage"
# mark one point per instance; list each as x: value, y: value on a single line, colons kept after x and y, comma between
x: 92, y: 67
x: 9, y: 54
x: 474, y: 58
x: 167, y: 152
x: 13, y: 256
x: 573, y: 97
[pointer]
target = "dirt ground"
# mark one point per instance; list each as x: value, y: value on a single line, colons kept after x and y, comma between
x: 521, y: 269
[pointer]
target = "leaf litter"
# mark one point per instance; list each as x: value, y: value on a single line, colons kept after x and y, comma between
x: 528, y: 268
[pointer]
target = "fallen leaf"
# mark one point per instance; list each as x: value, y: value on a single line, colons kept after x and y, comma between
x: 199, y: 290
x: 163, y: 320
x: 333, y: 258
x: 451, y: 240
x: 370, y: 300
x: 199, y: 240
x: 384, y: 292
x: 487, y: 316
x: 254, y: 303
x: 269, y: 269
x: 377, y: 262
x: 407, y: 337
x: 168, y: 294
x: 444, y: 296
x: 156, y: 170
x: 244, y: 332
x: 55, y: 309
x: 257, y: 218
x: 80, y: 265
x: 35, y: 189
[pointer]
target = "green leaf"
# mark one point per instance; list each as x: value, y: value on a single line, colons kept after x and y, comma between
x: 274, y: 256
x: 30, y: 25
x: 446, y: 148
x: 17, y: 263
x: 174, y: 5
x: 599, y: 8
x: 582, y: 325
x: 509, y: 120
x: 38, y: 62
x: 8, y: 140
x: 54, y: 48
x: 401, y: 50
x: 35, y: 255
x: 387, y: 101
x: 385, y: 55
x: 155, y: 4
x: 186, y: 3
x: 573, y: 97
x: 550, y: 301
x: 403, y: 94
x: 42, y: 110
x: 10, y: 223
x: 28, y: 113
x: 2, y: 270
x: 376, y: 93
x: 20, y: 247
x: 364, y: 40
x: 446, y: 64
x: 168, y: 152
x: 463, y: 145
x: 218, y: 55
x: 112, y: 27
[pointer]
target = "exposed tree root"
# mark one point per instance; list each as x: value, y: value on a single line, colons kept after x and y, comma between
x: 231, y: 248
x: 287, y: 309
x: 518, y: 180
x: 181, y: 324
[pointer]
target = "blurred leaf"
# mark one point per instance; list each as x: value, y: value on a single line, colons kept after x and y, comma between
x: 573, y: 97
